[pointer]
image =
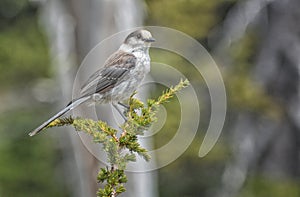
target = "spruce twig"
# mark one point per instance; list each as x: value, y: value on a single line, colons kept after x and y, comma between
x: 121, y: 150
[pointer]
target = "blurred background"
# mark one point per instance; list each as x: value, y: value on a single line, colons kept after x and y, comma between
x: 256, y: 44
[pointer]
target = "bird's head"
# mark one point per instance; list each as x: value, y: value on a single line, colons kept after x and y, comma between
x: 139, y: 39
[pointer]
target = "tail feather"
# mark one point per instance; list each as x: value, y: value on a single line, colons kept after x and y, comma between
x: 59, y: 114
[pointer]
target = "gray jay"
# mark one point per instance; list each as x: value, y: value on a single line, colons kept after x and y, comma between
x: 120, y: 76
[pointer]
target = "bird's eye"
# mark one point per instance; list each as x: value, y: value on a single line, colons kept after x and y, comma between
x: 139, y: 36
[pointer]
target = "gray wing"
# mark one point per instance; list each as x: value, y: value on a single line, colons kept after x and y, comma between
x: 115, y: 70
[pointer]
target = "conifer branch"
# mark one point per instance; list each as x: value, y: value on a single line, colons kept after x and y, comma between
x: 121, y: 150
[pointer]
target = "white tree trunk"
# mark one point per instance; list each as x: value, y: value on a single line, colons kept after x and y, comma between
x: 74, y: 28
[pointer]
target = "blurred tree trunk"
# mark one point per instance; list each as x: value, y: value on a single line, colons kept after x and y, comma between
x: 261, y: 143
x: 74, y: 28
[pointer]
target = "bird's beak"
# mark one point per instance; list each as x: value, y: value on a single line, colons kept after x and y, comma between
x: 150, y: 39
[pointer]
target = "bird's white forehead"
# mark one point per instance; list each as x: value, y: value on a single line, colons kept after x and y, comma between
x: 146, y: 34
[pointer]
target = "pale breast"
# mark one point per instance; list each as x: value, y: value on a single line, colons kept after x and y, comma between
x: 143, y: 62
x: 124, y: 90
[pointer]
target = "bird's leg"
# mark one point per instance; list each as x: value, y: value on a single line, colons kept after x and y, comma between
x: 120, y: 112
x: 124, y: 105
x: 127, y: 108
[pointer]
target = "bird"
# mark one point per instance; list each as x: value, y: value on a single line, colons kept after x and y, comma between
x: 117, y: 79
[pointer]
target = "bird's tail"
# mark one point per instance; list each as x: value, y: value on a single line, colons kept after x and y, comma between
x: 59, y: 114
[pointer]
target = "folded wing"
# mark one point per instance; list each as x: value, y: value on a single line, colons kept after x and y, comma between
x: 115, y: 71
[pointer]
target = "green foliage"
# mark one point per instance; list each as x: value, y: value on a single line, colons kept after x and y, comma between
x: 261, y: 186
x: 244, y: 92
x: 11, y: 8
x: 25, y: 162
x: 28, y: 166
x: 121, y: 150
x: 23, y: 52
x: 194, y: 17
x: 115, y: 178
